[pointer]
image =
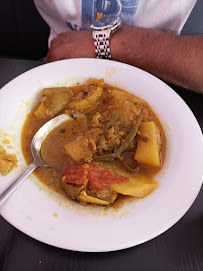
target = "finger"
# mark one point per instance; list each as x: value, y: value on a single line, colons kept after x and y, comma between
x: 46, y: 59
x: 57, y: 54
x: 55, y: 43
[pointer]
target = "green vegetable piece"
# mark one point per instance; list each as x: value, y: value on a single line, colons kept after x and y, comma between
x: 129, y: 138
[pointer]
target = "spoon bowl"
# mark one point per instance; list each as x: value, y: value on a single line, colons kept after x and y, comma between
x: 36, y: 145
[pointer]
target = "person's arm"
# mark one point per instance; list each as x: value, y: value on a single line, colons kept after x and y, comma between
x: 176, y: 59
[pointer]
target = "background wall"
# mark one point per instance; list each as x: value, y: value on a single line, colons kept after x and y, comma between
x: 24, y: 34
x: 194, y: 24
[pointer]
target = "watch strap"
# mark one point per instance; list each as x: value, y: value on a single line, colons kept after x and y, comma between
x: 102, y: 48
x: 102, y: 31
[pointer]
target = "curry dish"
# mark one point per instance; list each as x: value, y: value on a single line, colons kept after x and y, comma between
x: 112, y: 145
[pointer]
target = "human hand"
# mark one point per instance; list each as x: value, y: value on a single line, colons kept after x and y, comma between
x: 71, y: 44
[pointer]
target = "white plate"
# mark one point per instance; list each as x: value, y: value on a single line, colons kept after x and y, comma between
x: 50, y: 218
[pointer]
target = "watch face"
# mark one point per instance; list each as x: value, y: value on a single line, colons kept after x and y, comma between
x: 106, y: 21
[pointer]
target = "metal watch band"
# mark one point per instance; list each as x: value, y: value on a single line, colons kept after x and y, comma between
x: 101, y: 43
x: 103, y: 28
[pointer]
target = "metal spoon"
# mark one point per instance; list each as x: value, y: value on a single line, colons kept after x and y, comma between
x: 35, y: 149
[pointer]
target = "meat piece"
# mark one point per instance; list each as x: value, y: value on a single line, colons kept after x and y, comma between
x: 90, y: 182
x: 115, y: 96
x: 126, y: 111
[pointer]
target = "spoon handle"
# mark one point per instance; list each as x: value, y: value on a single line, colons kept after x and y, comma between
x: 21, y: 178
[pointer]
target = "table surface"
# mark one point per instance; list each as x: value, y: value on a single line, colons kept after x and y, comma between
x: 178, y: 249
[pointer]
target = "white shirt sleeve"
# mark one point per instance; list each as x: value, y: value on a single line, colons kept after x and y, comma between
x: 163, y: 15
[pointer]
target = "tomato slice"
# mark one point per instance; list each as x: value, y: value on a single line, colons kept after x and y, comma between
x: 93, y: 174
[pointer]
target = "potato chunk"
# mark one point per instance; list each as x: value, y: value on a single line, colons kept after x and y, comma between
x: 148, y: 153
x: 54, y: 101
x: 138, y: 186
x: 84, y: 146
x: 78, y: 149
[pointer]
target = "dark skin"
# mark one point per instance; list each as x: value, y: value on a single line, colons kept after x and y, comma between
x: 177, y: 59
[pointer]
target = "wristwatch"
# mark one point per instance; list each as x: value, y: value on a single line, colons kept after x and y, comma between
x: 102, y: 29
